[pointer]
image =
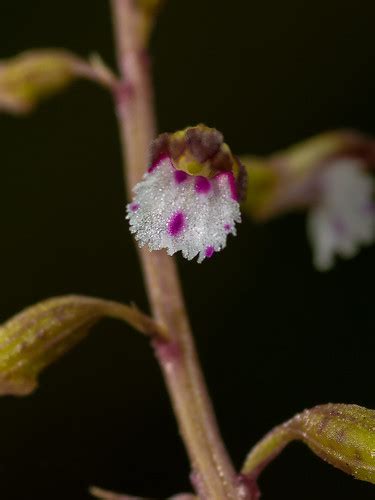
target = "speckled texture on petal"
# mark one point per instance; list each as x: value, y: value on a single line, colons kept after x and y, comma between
x: 172, y: 214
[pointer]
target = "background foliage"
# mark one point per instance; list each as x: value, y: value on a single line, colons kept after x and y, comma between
x: 274, y: 335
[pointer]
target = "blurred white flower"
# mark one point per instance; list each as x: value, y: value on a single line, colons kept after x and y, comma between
x: 343, y: 217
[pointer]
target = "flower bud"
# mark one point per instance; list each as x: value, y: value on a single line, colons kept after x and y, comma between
x: 189, y: 198
x: 341, y: 434
x: 33, y: 75
x: 39, y: 335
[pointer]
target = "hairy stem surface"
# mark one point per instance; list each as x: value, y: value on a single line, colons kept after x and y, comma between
x: 213, y: 475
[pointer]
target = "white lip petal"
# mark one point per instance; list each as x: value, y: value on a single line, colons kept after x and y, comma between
x: 343, y: 218
x: 180, y: 212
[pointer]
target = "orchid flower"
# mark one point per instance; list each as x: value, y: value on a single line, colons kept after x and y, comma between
x: 188, y: 200
x: 342, y: 219
x: 329, y: 177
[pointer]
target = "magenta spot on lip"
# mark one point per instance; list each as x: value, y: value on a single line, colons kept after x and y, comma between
x: 209, y: 251
x: 176, y: 224
x: 133, y: 207
x: 202, y: 185
x: 232, y: 184
x: 180, y: 176
x: 157, y: 162
x: 227, y: 227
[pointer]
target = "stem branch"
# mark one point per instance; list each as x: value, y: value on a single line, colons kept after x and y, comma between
x: 213, y: 474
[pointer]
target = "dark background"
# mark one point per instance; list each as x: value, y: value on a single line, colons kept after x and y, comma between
x: 274, y: 335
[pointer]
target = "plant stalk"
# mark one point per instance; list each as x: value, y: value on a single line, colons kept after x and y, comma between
x: 213, y: 475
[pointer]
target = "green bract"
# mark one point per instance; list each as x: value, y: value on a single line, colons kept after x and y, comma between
x: 33, y: 75
x: 342, y: 435
x: 39, y: 335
